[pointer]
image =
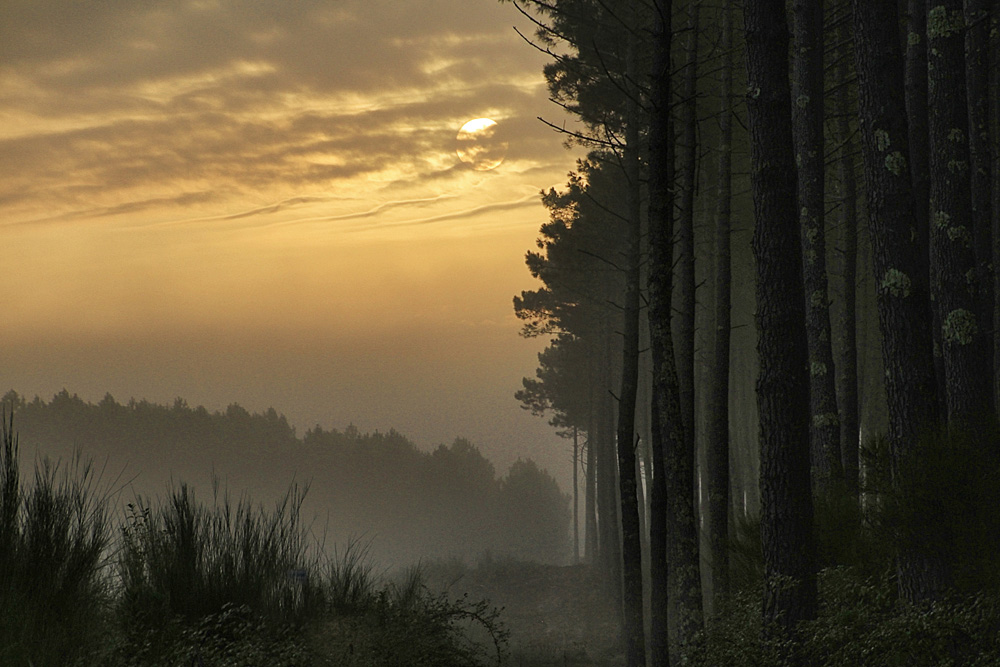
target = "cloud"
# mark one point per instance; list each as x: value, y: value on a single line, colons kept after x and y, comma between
x: 122, y: 104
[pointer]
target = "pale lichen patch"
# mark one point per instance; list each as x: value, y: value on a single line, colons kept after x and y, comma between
x: 817, y: 369
x: 959, y: 327
x: 895, y: 163
x: 896, y: 283
x: 960, y: 233
x: 881, y: 140
x: 826, y: 420
x: 942, y: 23
x: 941, y: 219
x: 957, y: 166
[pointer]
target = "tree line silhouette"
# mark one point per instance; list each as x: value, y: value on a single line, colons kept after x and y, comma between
x: 376, y: 487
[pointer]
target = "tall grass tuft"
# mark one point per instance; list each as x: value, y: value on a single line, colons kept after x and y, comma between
x: 189, y: 560
x: 350, y: 584
x: 53, y: 537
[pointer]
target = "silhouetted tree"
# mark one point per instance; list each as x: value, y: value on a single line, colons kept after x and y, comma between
x: 954, y: 274
x: 717, y: 446
x: 783, y: 382
x: 667, y: 424
x: 899, y: 263
x: 807, y: 126
x: 847, y: 364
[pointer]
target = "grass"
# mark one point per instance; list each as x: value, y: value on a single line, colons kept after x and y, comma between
x: 53, y: 537
x: 181, y: 582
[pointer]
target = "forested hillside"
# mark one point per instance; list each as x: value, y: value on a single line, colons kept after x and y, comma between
x: 376, y: 488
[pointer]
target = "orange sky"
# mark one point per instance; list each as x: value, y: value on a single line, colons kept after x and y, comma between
x: 260, y: 202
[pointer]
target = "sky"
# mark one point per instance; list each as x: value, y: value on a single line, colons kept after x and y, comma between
x: 262, y: 202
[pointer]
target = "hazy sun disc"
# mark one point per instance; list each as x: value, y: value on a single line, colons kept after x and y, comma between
x: 479, y: 144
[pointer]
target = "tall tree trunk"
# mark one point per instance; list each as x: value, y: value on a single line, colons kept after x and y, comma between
x: 977, y: 15
x: 899, y: 263
x: 666, y: 420
x: 687, y: 171
x: 994, y: 114
x: 717, y: 453
x: 848, y: 363
x: 590, y: 552
x: 576, y: 496
x: 783, y: 383
x: 590, y: 504
x: 807, y: 130
x: 684, y: 569
x: 918, y: 134
x: 609, y: 546
x: 953, y: 262
x: 635, y: 646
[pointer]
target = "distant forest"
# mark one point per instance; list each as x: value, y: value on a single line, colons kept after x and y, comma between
x: 374, y: 488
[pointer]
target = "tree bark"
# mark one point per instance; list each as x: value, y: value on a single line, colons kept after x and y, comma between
x: 807, y: 131
x: 717, y: 453
x: 977, y: 15
x: 899, y: 262
x: 684, y: 569
x: 666, y: 419
x: 918, y: 134
x: 576, y: 496
x: 687, y: 172
x: 954, y: 277
x: 590, y: 505
x: 609, y: 533
x: 994, y: 114
x: 847, y: 365
x: 783, y: 382
x: 635, y: 646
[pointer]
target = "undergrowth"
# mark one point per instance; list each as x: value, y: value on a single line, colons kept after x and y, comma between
x: 944, y: 501
x: 180, y: 582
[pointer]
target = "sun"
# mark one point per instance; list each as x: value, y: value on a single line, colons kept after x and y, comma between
x: 479, y: 144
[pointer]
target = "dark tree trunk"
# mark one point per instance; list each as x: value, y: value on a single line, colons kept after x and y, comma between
x: 609, y: 546
x: 994, y: 114
x: 687, y: 172
x: 635, y: 646
x: 954, y: 279
x: 783, y: 383
x: 848, y: 363
x: 576, y: 497
x: 590, y: 552
x: 918, y: 134
x: 899, y: 263
x: 717, y: 453
x: 590, y: 505
x: 977, y: 14
x: 684, y: 570
x: 807, y: 130
x: 666, y: 419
